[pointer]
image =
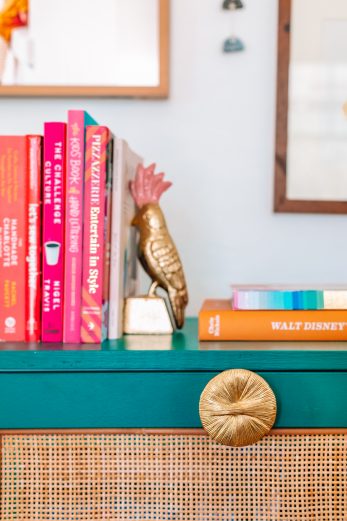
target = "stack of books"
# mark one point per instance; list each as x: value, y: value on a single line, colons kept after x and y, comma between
x: 281, y: 313
x: 67, y: 249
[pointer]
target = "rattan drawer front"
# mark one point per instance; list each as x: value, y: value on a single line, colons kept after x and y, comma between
x: 172, y: 477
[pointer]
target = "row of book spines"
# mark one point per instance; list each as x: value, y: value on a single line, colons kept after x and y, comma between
x: 23, y: 281
x: 289, y: 300
x: 217, y: 322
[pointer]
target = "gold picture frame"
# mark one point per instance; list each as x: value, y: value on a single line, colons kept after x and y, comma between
x: 161, y: 90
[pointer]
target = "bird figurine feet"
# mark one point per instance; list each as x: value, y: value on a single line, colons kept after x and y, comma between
x: 159, y: 258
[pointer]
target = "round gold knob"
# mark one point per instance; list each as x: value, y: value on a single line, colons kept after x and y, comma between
x: 237, y: 408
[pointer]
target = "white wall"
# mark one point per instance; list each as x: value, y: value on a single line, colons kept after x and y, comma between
x: 79, y: 40
x: 215, y: 139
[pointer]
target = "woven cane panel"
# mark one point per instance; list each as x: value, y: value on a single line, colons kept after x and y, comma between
x: 86, y: 477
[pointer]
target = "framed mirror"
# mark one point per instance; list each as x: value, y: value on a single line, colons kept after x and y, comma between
x: 84, y: 48
x: 311, y: 136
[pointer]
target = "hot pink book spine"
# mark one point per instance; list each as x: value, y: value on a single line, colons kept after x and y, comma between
x: 54, y: 167
x: 97, y: 139
x: 74, y: 226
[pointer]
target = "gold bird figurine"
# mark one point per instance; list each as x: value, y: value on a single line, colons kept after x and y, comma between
x: 157, y: 251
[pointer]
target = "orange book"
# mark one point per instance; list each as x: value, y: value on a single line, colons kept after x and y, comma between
x: 218, y: 321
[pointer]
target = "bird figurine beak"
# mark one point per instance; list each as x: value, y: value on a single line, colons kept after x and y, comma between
x: 134, y: 221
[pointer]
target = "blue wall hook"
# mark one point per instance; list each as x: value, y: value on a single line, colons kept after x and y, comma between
x: 233, y: 44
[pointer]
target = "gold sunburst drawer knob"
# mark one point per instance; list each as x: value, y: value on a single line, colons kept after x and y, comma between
x: 237, y: 408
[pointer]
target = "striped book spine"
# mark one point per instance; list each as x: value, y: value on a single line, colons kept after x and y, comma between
x: 95, y: 203
x: 288, y: 298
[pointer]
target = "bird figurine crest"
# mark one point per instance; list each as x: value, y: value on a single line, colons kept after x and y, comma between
x: 156, y: 249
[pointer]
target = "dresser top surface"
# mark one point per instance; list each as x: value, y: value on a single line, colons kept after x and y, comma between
x: 181, y: 351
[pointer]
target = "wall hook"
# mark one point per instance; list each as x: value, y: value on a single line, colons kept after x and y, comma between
x: 233, y: 44
x: 231, y: 5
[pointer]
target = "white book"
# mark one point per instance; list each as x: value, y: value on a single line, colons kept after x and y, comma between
x: 124, y: 263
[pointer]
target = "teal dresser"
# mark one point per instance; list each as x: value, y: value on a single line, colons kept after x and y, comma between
x: 114, y: 433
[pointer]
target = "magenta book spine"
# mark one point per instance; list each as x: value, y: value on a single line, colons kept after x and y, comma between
x: 54, y: 167
x: 75, y: 145
x: 97, y: 139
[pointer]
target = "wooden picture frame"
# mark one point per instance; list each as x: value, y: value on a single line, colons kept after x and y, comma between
x: 159, y: 91
x: 281, y: 201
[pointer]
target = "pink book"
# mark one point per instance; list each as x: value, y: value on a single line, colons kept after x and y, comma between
x: 96, y: 208
x: 75, y: 151
x: 54, y: 166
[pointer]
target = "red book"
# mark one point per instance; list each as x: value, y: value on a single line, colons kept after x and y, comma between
x: 96, y: 221
x: 13, y: 232
x: 33, y: 243
x: 54, y: 167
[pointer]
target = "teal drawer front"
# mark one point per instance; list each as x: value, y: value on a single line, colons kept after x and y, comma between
x: 156, y: 400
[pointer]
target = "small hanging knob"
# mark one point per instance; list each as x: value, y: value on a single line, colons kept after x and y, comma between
x: 233, y: 44
x: 231, y: 5
x: 237, y: 408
